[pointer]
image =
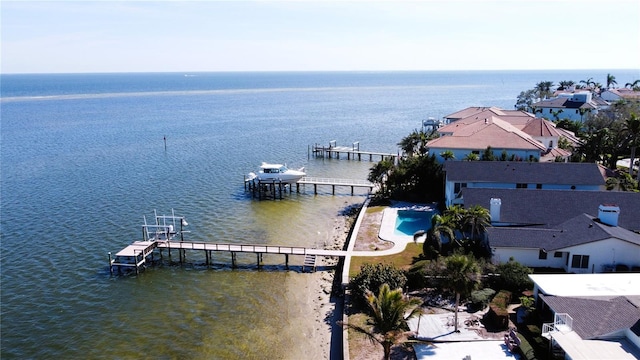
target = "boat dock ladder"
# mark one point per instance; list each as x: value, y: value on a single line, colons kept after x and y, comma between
x: 309, y: 261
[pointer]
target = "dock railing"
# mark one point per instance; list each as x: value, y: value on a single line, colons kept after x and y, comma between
x: 248, y: 248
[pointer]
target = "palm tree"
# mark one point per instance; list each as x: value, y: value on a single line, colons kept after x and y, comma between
x: 441, y: 225
x: 631, y: 128
x: 565, y: 84
x: 379, y: 173
x: 543, y: 89
x: 462, y: 274
x: 556, y: 114
x: 587, y: 83
x: 583, y: 111
x: 414, y: 143
x: 634, y: 85
x: 447, y: 155
x: 456, y: 213
x: 611, y: 80
x: 477, y: 219
x: 596, y: 88
x: 471, y: 157
x: 390, y: 311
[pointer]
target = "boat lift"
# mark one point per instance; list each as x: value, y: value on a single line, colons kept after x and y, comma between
x: 164, y: 228
x: 163, y: 231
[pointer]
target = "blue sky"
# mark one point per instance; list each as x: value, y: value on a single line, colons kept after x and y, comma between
x: 133, y: 36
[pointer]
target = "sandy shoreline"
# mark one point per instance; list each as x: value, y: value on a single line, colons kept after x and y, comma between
x: 328, y: 306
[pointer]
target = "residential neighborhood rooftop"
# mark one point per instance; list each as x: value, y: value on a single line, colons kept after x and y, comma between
x: 613, y: 314
x: 582, y: 229
x: 532, y: 206
x: 524, y: 172
x: 492, y: 131
x: 607, y: 285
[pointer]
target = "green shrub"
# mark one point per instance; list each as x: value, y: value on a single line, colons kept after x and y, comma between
x: 526, y: 350
x: 513, y: 277
x: 498, y: 310
x: 480, y: 298
x: 371, y: 277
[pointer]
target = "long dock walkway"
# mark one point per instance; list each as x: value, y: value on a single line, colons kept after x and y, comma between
x: 334, y: 151
x: 315, y: 181
x: 275, y: 189
x: 136, y: 255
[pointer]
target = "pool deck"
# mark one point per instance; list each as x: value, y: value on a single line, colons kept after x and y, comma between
x: 388, y: 226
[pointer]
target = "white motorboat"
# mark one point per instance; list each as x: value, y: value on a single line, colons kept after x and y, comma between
x: 278, y: 173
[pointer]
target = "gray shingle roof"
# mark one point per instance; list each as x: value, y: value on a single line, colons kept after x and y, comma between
x: 594, y: 318
x: 565, y: 103
x: 581, y: 229
x: 553, y: 207
x: 524, y: 172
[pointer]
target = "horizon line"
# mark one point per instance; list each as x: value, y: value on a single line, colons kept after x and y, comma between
x: 312, y: 71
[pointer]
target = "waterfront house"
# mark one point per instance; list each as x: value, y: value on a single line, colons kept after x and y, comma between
x: 514, y: 117
x: 548, y: 208
x: 621, y: 94
x: 578, y: 231
x: 514, y: 134
x: 473, y: 137
x: 590, y: 316
x: 583, y: 244
x: 572, y: 106
x: 519, y: 175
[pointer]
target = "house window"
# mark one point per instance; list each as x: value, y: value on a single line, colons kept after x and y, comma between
x: 542, y: 254
x: 458, y: 186
x: 521, y: 186
x: 580, y: 261
x: 557, y: 254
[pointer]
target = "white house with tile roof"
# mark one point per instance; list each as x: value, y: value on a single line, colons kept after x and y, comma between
x: 518, y: 134
x: 474, y: 137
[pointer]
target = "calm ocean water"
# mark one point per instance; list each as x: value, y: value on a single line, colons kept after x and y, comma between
x: 83, y: 159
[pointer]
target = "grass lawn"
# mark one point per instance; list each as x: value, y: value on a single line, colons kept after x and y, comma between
x: 402, y: 260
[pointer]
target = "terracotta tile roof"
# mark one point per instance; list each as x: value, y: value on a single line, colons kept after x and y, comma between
x: 470, y: 111
x: 541, y: 127
x: 626, y: 93
x: 551, y: 155
x: 569, y: 135
x: 478, y: 135
x: 515, y: 117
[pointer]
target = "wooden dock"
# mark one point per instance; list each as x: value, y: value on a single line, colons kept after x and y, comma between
x: 276, y: 189
x: 140, y: 253
x: 315, y: 181
x: 334, y: 152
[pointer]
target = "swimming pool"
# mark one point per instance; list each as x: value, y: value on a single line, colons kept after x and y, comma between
x: 410, y: 221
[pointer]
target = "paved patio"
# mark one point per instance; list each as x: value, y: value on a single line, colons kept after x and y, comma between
x: 475, y: 350
x: 470, y: 340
